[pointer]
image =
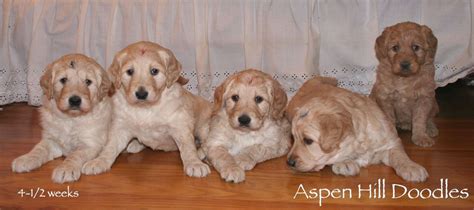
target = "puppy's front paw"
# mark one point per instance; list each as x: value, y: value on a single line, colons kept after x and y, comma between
x: 233, y: 174
x: 412, y: 172
x: 96, y: 166
x: 66, y: 173
x: 245, y: 162
x: 346, y: 168
x: 25, y: 163
x: 135, y: 147
x: 423, y: 141
x: 197, y: 169
x: 432, y: 130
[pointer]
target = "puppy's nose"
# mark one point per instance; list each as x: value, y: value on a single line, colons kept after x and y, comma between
x: 291, y: 162
x: 141, y: 94
x: 405, y: 65
x: 244, y: 120
x: 75, y: 101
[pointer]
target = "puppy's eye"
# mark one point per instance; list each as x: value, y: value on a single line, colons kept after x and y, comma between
x: 395, y: 48
x: 235, y: 98
x: 308, y: 141
x: 130, y: 72
x: 415, y: 47
x: 63, y: 80
x: 258, y: 99
x: 88, y: 82
x: 154, y: 71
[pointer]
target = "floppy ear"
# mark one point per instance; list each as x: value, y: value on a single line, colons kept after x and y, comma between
x: 431, y: 40
x: 334, y: 128
x: 218, y: 97
x: 173, y: 67
x: 106, y: 87
x: 380, y: 48
x: 279, y: 100
x: 114, y: 70
x: 46, y: 82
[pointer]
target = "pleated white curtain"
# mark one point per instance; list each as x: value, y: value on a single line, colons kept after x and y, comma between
x: 290, y: 39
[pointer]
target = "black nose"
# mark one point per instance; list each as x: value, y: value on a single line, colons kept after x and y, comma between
x: 75, y: 101
x: 141, y: 94
x: 291, y: 162
x: 405, y: 65
x: 244, y: 120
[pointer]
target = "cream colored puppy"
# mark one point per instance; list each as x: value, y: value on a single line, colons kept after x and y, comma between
x: 248, y: 126
x: 75, y: 117
x: 151, y: 106
x: 333, y: 126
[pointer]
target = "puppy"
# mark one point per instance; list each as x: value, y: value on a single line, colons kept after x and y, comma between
x: 75, y: 117
x: 405, y: 86
x: 333, y: 126
x: 152, y: 107
x: 247, y: 126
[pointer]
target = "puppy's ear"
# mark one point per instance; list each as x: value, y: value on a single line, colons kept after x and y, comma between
x: 431, y: 40
x: 380, y: 48
x: 279, y: 100
x: 106, y: 87
x: 182, y: 80
x: 173, y: 67
x: 334, y: 128
x: 46, y: 81
x: 218, y: 97
x: 114, y: 70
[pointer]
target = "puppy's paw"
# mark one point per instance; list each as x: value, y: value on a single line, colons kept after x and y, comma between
x: 26, y: 163
x: 135, y: 147
x: 197, y: 169
x: 66, y: 173
x: 233, y: 174
x: 245, y: 162
x: 412, y: 172
x: 96, y: 166
x: 432, y: 130
x: 423, y: 141
x: 346, y: 168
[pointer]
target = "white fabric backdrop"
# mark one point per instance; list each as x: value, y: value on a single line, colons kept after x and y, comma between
x: 290, y: 39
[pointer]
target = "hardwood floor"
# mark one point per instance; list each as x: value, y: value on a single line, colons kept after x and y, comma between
x: 156, y: 179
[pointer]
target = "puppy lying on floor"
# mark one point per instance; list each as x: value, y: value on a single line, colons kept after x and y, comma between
x: 75, y: 117
x: 405, y: 86
x: 333, y: 126
x: 151, y: 106
x: 247, y: 126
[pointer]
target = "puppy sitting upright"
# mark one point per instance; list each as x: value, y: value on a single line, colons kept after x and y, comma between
x: 247, y: 126
x: 405, y: 86
x: 333, y: 126
x: 151, y: 106
x: 75, y: 117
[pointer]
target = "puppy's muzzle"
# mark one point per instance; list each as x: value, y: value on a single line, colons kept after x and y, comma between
x: 291, y: 162
x: 244, y: 120
x: 75, y: 102
x: 141, y: 94
x: 405, y: 66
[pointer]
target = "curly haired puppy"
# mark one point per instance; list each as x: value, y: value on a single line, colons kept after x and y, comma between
x: 405, y: 86
x: 247, y: 126
x: 75, y: 117
x: 151, y: 107
x: 333, y: 126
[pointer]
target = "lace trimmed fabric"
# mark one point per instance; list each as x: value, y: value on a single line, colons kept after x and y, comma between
x: 291, y: 40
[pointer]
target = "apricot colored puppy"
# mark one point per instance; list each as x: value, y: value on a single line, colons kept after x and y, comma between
x: 333, y: 126
x: 247, y: 126
x: 75, y: 117
x: 151, y: 107
x: 405, y: 86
